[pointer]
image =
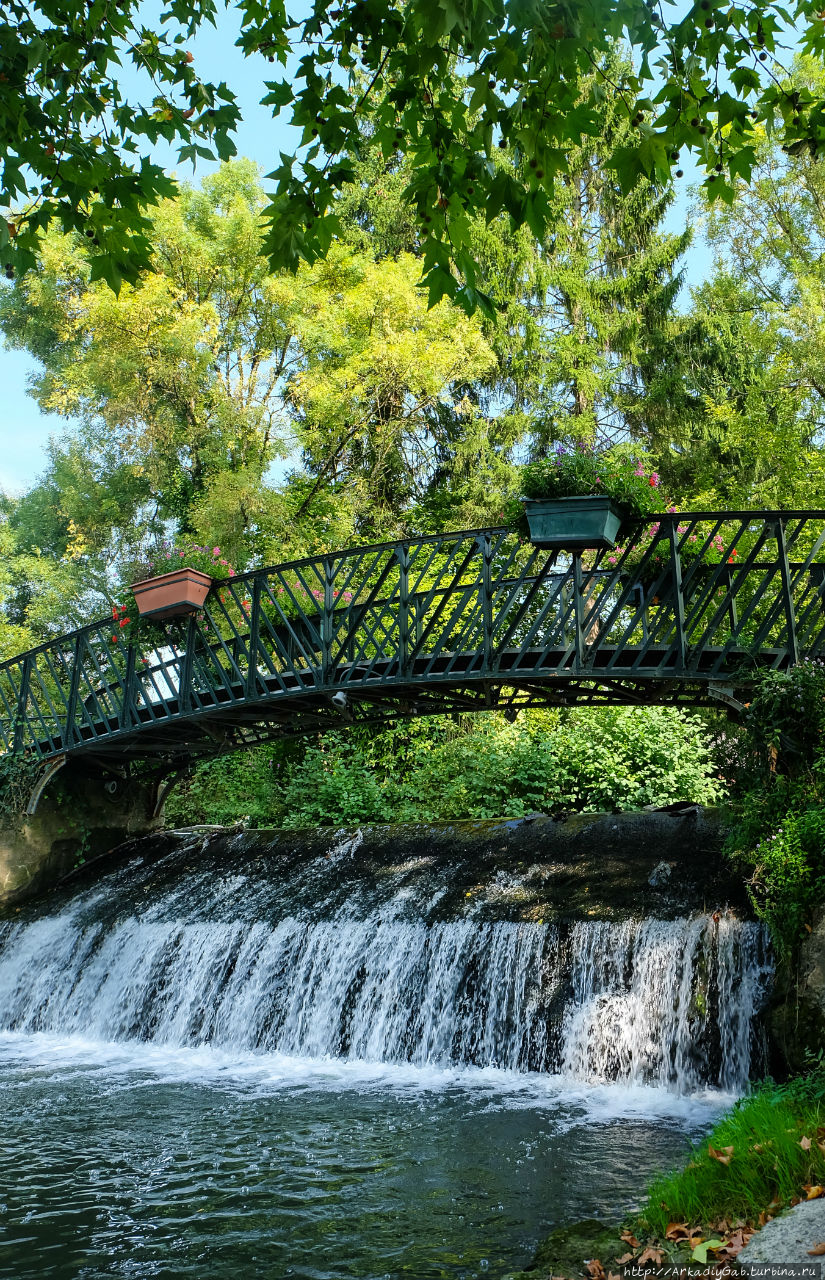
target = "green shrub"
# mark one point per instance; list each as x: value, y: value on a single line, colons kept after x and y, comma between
x: 482, y: 766
x: 778, y: 837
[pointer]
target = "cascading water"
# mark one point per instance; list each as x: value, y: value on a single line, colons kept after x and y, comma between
x: 381, y: 979
x: 360, y: 1058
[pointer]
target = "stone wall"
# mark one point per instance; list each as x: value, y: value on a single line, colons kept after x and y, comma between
x: 79, y: 816
x: 797, y: 1018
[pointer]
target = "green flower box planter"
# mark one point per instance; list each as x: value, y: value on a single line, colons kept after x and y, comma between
x: 571, y: 524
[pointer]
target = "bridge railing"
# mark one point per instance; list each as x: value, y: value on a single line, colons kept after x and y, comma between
x: 690, y: 597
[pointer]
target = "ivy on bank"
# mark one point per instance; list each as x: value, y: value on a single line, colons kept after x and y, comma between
x: 18, y: 774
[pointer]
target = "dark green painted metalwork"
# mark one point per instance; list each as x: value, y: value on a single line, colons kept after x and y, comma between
x: 685, y: 612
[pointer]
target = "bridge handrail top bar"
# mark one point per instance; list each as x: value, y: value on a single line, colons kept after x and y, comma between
x: 423, y: 540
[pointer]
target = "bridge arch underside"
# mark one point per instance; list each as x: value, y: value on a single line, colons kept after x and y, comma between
x: 686, y: 612
x: 229, y: 719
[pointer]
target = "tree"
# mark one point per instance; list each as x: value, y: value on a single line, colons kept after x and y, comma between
x: 71, y: 143
x: 373, y: 391
x: 577, y: 311
x: 736, y: 393
x: 191, y: 383
x: 177, y: 382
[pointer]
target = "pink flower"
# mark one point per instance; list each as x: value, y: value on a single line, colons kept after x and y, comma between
x: 654, y: 479
x: 232, y: 573
x: 181, y: 554
x: 216, y: 551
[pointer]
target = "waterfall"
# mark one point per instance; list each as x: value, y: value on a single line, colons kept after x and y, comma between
x: 303, y: 962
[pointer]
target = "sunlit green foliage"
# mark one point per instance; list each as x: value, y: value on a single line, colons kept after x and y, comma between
x: 73, y: 146
x: 479, y: 767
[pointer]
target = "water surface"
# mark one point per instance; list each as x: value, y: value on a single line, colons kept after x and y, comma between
x: 137, y: 1161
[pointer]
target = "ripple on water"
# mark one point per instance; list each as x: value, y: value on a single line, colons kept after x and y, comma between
x: 136, y: 1161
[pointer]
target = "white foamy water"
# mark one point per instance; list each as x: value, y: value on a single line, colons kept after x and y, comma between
x: 669, y: 1004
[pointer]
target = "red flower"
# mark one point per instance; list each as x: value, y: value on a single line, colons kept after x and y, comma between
x: 114, y: 639
x: 124, y: 621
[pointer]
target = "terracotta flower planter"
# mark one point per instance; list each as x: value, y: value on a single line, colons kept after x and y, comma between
x: 172, y: 595
x: 574, y: 523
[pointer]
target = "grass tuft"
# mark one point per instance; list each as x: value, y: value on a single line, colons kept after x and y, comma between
x: 764, y: 1155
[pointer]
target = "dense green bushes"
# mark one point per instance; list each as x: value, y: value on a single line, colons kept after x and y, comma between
x: 476, y: 767
x: 778, y: 839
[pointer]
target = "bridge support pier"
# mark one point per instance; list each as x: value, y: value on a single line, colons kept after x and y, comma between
x: 72, y: 814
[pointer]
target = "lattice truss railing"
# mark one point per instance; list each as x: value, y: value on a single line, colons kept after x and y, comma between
x: 692, y: 598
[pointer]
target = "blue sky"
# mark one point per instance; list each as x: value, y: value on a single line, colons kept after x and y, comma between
x: 25, y: 430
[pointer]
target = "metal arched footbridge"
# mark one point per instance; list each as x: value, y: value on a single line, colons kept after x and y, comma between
x: 684, y: 612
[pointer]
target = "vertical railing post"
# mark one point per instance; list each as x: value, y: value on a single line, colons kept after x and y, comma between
x: 578, y: 605
x: 404, y: 651
x: 254, y: 633
x: 128, y: 701
x: 486, y: 549
x: 22, y: 700
x: 787, y: 593
x: 327, y: 621
x: 74, y: 691
x: 678, y: 593
x: 185, y: 677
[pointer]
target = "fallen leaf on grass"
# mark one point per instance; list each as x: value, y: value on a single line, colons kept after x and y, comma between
x: 737, y: 1243
x: 818, y: 1250
x: 805, y: 1143
x: 595, y: 1269
x: 814, y: 1192
x: 630, y: 1239
x: 626, y: 1257
x: 652, y: 1255
x: 677, y: 1231
x: 700, y: 1253
x: 723, y: 1155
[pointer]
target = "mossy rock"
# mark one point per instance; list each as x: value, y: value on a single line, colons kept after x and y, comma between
x: 567, y: 1250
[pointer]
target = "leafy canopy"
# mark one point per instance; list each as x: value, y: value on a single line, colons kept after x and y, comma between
x: 446, y: 81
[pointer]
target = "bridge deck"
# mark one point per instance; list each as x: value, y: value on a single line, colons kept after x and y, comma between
x: 630, y: 676
x: 450, y: 622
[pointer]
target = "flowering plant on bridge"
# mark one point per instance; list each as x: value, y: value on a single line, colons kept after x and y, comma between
x: 582, y: 472
x: 128, y: 627
x: 650, y: 554
x: 190, y: 556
